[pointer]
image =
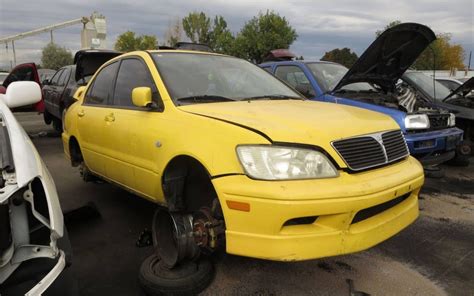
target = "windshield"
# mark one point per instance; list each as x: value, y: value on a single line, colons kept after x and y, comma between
x: 207, y: 78
x: 328, y: 76
x: 427, y: 85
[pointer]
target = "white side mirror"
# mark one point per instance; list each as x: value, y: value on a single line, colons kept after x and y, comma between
x: 22, y: 93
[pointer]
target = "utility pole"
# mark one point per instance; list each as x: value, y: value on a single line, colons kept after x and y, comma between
x: 14, y: 54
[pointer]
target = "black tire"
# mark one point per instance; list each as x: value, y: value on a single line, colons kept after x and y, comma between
x: 187, y: 278
x: 57, y: 125
x: 47, y: 117
x: 434, y: 172
x: 459, y: 160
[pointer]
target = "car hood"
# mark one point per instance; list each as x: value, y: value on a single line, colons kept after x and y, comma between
x: 293, y: 121
x: 389, y: 56
x: 88, y: 61
x: 28, y: 165
x: 464, y: 89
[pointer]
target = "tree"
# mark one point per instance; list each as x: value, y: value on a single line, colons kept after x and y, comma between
x: 440, y: 55
x: 54, y: 57
x: 391, y: 24
x: 220, y: 38
x: 197, y: 27
x: 261, y: 34
x: 174, y: 34
x: 342, y: 56
x: 129, y: 42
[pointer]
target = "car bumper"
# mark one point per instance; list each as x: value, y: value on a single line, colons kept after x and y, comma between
x: 383, y: 201
x: 433, y: 141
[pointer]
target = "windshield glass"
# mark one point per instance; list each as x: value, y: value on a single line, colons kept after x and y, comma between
x: 207, y: 78
x: 425, y: 84
x: 328, y: 76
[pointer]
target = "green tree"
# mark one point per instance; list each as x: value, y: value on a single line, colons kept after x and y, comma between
x: 391, y: 24
x: 440, y: 55
x: 54, y: 57
x: 197, y: 27
x: 129, y: 42
x: 220, y: 38
x: 261, y: 34
x: 342, y: 56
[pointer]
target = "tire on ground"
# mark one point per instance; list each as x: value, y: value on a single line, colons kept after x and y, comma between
x: 187, y: 278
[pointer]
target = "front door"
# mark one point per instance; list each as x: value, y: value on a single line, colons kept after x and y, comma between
x: 131, y: 139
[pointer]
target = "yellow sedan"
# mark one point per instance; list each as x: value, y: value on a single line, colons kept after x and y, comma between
x: 239, y: 160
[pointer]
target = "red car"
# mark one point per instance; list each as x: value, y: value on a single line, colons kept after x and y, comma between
x: 28, y: 72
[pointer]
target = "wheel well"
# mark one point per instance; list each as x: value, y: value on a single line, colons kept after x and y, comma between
x: 187, y: 185
x: 75, y: 152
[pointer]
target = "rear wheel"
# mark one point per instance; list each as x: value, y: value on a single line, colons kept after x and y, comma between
x: 47, y: 117
x: 57, y: 124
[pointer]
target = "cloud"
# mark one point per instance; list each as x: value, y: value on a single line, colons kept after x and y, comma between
x: 321, y: 25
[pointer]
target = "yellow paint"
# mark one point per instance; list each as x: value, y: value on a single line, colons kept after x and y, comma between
x: 132, y: 148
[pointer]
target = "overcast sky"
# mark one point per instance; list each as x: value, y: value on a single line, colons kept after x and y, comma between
x: 321, y: 25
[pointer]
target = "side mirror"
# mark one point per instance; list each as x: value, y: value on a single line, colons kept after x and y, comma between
x: 306, y: 90
x: 45, y: 82
x: 22, y: 93
x: 141, y: 96
x: 79, y: 93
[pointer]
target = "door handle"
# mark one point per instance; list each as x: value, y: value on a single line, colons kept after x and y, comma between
x: 81, y: 113
x: 110, y: 117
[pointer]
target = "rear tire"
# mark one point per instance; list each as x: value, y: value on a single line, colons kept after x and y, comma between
x: 57, y: 125
x: 47, y: 117
x: 187, y: 278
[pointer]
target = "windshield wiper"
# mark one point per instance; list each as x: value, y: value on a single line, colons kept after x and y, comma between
x: 206, y: 98
x: 273, y: 97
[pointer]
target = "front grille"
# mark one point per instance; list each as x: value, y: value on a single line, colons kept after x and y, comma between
x: 438, y: 121
x: 375, y: 210
x: 372, y: 150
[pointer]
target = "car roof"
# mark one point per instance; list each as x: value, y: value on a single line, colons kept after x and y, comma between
x: 296, y: 62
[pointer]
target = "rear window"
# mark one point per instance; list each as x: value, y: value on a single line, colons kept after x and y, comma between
x: 102, y: 86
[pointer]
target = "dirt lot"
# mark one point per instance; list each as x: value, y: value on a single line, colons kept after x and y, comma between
x: 433, y: 256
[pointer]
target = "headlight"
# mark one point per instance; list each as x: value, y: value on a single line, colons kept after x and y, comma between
x: 280, y: 163
x: 452, y: 119
x: 417, y: 121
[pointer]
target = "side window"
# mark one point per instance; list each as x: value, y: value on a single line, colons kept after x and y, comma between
x: 268, y: 69
x: 132, y: 73
x: 64, y: 77
x: 293, y: 75
x: 102, y: 86
x: 55, y: 79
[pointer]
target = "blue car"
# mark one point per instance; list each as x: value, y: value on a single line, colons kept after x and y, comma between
x: 371, y: 83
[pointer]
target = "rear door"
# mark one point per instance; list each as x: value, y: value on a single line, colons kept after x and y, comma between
x: 93, y: 118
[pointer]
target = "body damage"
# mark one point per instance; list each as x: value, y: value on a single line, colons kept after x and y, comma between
x: 156, y: 153
x: 27, y: 192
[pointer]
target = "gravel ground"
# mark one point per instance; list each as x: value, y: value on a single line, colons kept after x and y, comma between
x: 433, y: 256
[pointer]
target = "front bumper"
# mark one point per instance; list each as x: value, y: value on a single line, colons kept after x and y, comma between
x: 263, y: 231
x: 433, y: 141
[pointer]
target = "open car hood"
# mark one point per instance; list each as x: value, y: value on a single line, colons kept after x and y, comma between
x: 89, y: 60
x: 464, y: 89
x: 389, y: 56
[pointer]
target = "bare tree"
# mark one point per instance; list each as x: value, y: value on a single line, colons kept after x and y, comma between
x: 174, y: 33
